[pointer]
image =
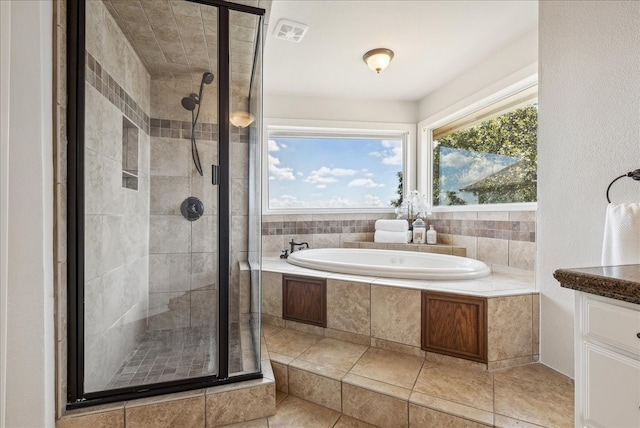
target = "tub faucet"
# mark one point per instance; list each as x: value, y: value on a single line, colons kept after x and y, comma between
x: 293, y: 245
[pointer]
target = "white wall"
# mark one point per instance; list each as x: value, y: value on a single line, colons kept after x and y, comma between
x: 316, y: 108
x: 30, y: 328
x: 5, y: 40
x: 589, y: 133
x: 509, y: 65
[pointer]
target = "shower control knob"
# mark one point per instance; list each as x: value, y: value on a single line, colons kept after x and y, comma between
x: 192, y: 208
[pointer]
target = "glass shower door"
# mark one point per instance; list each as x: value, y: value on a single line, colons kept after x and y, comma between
x: 151, y: 209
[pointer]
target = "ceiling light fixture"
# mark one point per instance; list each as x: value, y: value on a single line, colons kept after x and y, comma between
x: 378, y: 59
x: 241, y: 119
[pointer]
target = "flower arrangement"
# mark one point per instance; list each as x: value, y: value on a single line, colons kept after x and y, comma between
x: 415, y: 205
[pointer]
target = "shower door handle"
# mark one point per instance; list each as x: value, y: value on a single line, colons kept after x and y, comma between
x: 215, y: 174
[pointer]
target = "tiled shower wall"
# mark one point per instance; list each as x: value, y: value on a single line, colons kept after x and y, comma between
x: 116, y: 218
x: 504, y: 238
x: 183, y: 254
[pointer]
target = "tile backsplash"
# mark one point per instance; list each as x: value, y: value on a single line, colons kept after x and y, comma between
x: 506, y: 238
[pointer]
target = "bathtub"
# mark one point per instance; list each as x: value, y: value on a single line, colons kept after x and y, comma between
x: 390, y: 263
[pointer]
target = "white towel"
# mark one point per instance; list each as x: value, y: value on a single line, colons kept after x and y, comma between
x: 621, y: 243
x: 388, y: 237
x: 392, y: 225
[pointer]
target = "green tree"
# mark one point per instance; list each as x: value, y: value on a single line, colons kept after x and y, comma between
x: 512, y: 134
x: 397, y: 202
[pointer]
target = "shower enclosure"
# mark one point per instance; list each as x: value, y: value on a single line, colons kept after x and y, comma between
x: 164, y: 214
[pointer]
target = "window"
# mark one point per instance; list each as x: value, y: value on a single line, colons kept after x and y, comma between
x: 330, y: 169
x: 488, y: 156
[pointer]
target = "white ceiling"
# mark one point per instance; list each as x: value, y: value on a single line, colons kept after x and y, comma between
x: 433, y: 41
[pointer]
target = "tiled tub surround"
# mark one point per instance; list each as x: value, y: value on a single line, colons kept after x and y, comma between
x: 505, y: 238
x: 386, y: 312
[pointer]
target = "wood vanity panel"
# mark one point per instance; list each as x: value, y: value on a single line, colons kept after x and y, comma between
x: 455, y: 325
x: 304, y: 300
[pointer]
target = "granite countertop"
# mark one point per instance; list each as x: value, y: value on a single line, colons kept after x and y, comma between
x: 615, y: 282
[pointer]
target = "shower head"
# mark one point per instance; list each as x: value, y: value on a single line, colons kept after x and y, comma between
x: 190, y: 102
x: 207, y: 77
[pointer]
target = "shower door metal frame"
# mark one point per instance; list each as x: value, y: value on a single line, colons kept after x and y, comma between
x: 76, y: 62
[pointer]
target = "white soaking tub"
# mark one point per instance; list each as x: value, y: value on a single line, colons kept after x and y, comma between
x: 390, y: 263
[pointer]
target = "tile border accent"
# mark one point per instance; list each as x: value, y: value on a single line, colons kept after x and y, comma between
x: 506, y: 230
x: 98, y: 77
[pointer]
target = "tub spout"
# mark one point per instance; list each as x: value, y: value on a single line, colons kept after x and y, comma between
x: 293, y: 245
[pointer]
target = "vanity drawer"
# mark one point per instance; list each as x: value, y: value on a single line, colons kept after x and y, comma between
x: 612, y: 324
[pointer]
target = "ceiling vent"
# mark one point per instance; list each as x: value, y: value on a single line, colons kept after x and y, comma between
x: 289, y: 30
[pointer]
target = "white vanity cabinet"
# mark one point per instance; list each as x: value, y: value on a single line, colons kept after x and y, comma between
x: 607, y: 357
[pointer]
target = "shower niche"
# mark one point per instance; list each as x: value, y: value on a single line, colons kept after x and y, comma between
x: 163, y: 294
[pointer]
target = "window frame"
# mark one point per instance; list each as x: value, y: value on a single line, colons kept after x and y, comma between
x: 425, y: 149
x: 406, y: 130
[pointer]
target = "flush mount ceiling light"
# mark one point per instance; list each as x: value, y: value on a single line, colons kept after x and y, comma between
x: 241, y: 119
x: 290, y: 30
x: 378, y: 59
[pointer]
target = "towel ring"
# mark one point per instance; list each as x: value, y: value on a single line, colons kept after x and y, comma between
x: 633, y: 174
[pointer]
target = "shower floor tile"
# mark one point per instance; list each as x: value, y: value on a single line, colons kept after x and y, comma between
x: 167, y: 355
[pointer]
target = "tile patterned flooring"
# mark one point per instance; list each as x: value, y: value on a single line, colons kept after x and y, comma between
x: 166, y: 355
x: 433, y: 394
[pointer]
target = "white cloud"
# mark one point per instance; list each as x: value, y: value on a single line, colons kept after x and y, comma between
x: 364, y: 182
x: 300, y: 174
x: 391, y: 153
x: 289, y: 201
x: 455, y: 159
x: 321, y: 186
x: 325, y: 175
x: 272, y: 146
x: 278, y: 173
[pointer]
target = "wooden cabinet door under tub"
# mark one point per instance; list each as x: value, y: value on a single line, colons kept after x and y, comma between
x: 304, y: 300
x: 455, y: 325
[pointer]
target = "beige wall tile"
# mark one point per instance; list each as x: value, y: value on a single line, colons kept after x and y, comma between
x: 317, y: 389
x: 348, y: 306
x: 189, y: 412
x: 493, y: 251
x: 395, y: 314
x: 423, y: 417
x: 111, y: 419
x: 295, y: 412
x: 240, y: 405
x: 464, y: 215
x: 168, y: 193
x: 345, y: 336
x: 373, y: 407
x: 522, y: 215
x: 272, y: 294
x: 397, y: 347
x: 509, y: 327
x: 169, y: 272
x: 281, y: 372
x: 169, y: 234
x: 326, y: 240
x: 522, y: 255
x: 468, y: 242
x: 493, y: 215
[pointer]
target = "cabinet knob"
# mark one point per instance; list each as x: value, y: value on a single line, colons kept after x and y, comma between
x: 638, y: 335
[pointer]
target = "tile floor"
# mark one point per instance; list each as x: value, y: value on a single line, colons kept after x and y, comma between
x: 166, y: 355
x: 356, y: 382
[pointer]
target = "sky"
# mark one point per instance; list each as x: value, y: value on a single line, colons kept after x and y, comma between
x: 333, y: 172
